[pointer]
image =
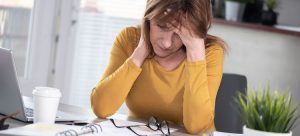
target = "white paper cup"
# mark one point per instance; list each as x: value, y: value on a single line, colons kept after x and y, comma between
x: 46, y: 102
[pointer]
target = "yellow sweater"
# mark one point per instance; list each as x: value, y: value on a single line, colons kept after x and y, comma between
x: 185, y: 95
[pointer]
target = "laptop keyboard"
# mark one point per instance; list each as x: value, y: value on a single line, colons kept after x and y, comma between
x: 29, y: 112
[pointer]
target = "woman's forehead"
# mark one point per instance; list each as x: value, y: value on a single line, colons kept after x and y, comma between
x: 165, y: 25
x: 169, y: 17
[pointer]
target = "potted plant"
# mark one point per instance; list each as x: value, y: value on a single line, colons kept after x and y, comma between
x: 253, y: 11
x: 269, y: 16
x: 234, y: 9
x: 265, y: 114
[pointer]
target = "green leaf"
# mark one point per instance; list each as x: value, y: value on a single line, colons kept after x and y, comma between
x: 261, y: 110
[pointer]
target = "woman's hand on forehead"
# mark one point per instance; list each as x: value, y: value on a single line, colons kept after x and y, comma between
x: 195, y: 47
x: 188, y: 37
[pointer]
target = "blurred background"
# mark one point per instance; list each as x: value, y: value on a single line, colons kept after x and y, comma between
x: 66, y: 43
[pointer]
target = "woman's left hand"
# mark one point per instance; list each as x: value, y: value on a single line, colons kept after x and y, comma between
x: 194, y: 44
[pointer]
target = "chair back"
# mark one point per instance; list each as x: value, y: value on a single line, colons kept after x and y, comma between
x: 227, y: 117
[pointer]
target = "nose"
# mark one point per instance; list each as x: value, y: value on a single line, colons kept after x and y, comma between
x: 166, y: 44
x: 167, y: 41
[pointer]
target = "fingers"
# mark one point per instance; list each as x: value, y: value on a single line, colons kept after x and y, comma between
x: 177, y: 31
x: 141, y: 40
x: 184, y: 29
x: 182, y: 32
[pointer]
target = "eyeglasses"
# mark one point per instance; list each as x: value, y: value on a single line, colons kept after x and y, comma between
x: 153, y: 123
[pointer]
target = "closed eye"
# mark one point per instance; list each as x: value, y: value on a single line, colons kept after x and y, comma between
x: 163, y: 27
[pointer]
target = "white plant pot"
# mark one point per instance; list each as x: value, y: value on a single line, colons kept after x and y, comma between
x: 234, y: 11
x: 252, y: 132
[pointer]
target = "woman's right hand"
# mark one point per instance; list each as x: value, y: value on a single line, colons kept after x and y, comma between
x: 140, y: 53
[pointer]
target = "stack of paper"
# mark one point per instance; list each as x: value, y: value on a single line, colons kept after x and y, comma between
x: 38, y: 129
x: 108, y: 129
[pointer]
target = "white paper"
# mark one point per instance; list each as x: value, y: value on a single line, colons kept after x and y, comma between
x: 108, y: 129
x: 142, y: 129
x: 226, y: 134
x: 39, y: 129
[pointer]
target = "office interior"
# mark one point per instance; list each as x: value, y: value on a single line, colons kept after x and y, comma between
x: 66, y: 44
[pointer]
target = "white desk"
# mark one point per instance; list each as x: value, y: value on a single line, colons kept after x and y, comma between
x: 87, y: 113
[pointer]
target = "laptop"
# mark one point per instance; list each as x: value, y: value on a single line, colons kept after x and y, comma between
x: 11, y: 100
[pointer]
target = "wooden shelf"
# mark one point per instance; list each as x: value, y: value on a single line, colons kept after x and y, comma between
x: 256, y: 27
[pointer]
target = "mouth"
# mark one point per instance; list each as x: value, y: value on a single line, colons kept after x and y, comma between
x: 163, y: 49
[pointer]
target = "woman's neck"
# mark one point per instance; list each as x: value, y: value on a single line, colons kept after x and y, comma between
x: 172, y: 61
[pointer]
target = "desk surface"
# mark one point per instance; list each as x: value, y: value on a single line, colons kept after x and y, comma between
x: 92, y: 118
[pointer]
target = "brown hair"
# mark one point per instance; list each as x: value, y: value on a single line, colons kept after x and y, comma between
x: 197, y: 12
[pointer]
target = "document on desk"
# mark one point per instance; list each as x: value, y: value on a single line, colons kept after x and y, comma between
x: 226, y: 134
x: 107, y: 129
x: 38, y: 130
x: 110, y: 130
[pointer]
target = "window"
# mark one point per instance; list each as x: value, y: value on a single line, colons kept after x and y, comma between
x: 27, y: 28
x: 14, y: 29
x: 98, y: 23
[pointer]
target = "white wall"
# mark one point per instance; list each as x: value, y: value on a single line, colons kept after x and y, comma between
x: 263, y: 56
x: 288, y: 12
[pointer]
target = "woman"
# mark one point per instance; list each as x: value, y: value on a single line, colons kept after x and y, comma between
x: 169, y: 67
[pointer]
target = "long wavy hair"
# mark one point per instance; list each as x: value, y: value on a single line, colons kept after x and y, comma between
x: 197, y: 12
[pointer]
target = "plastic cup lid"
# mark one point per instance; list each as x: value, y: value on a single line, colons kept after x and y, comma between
x: 46, y: 92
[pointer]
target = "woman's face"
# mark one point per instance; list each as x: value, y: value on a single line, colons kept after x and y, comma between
x: 164, y: 40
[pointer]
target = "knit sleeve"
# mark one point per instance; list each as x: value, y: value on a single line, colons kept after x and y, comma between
x: 111, y: 91
x: 201, y: 85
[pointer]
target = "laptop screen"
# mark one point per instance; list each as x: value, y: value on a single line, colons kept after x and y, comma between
x: 10, y: 95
